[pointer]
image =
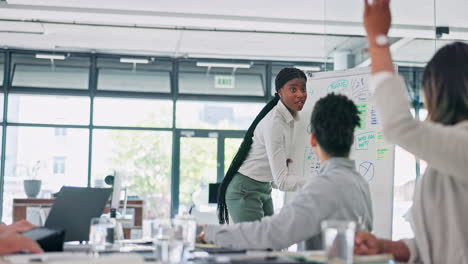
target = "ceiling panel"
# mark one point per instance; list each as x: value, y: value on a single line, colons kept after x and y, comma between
x: 234, y: 29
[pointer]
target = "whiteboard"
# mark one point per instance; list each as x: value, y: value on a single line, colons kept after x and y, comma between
x: 373, y: 155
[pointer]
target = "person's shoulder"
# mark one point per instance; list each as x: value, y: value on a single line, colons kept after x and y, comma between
x: 272, y: 120
x: 339, y: 174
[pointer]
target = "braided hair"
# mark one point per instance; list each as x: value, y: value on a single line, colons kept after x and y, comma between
x: 282, y: 78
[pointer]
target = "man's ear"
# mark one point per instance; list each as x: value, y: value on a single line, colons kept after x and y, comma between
x: 313, y: 140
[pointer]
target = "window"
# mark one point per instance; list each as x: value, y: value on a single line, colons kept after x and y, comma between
x: 54, y: 109
x: 2, y: 98
x: 134, y: 74
x: 60, y: 132
x: 198, y: 164
x: 59, y: 161
x: 132, y: 112
x: 216, y: 115
x: 50, y: 71
x: 222, y: 78
x: 144, y: 157
x: 2, y: 65
x: 231, y: 146
x: 59, y: 165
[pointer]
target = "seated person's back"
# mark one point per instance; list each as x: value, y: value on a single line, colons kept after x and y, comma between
x: 338, y: 192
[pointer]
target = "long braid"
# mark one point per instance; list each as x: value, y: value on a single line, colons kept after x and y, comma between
x: 282, y: 78
x: 239, y: 158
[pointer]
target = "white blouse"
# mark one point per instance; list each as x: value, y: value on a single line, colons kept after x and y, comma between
x: 440, y: 209
x: 272, y: 146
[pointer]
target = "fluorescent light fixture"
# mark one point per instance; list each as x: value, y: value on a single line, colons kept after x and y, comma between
x: 224, y: 65
x: 50, y: 56
x: 308, y: 68
x: 134, y: 60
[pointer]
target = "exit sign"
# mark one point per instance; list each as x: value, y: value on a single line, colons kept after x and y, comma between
x: 224, y: 81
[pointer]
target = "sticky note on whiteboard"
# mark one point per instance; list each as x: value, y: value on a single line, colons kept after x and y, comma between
x: 382, y: 153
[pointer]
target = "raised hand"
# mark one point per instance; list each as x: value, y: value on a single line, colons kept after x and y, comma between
x: 377, y: 18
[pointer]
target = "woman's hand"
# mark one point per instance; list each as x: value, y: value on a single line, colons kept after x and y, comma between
x: 377, y: 18
x: 201, y: 235
x: 377, y: 21
x: 19, y: 226
x: 366, y: 243
x: 12, y: 242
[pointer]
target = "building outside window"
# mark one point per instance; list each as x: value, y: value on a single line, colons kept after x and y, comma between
x: 59, y: 165
x: 60, y: 131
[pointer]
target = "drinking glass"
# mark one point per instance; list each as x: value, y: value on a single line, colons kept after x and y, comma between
x: 338, y: 241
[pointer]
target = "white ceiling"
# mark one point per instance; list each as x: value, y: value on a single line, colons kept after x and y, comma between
x: 274, y: 30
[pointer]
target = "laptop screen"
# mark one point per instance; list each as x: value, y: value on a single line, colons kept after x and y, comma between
x: 73, y: 209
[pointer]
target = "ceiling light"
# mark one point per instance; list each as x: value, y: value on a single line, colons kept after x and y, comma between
x: 224, y: 65
x: 308, y: 68
x: 50, y: 56
x: 134, y: 60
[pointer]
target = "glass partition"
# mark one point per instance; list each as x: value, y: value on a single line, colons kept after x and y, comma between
x: 135, y: 74
x: 48, y: 109
x: 131, y: 112
x: 222, y: 78
x: 43, y: 153
x: 50, y: 70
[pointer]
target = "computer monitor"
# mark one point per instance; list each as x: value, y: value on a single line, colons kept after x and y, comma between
x: 74, y: 208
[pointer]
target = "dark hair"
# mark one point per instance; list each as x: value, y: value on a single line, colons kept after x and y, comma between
x: 445, y: 84
x: 282, y: 78
x: 333, y: 121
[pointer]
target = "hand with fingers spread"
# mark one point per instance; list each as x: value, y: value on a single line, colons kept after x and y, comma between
x: 377, y: 18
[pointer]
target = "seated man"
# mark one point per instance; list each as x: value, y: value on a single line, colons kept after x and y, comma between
x: 12, y: 242
x: 338, y: 192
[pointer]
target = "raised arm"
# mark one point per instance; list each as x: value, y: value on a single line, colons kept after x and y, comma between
x: 377, y: 21
x: 443, y: 147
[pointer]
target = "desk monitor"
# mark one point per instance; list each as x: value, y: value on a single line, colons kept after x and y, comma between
x: 213, y: 192
x: 73, y: 209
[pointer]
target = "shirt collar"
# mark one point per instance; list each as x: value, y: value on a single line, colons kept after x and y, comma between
x: 336, y: 162
x: 286, y: 114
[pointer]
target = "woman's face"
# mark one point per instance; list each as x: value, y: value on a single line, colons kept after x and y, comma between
x: 294, y: 94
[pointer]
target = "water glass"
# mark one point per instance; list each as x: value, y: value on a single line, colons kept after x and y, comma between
x: 169, y: 251
x: 338, y: 241
x: 101, y: 233
x: 168, y: 241
x: 185, y: 228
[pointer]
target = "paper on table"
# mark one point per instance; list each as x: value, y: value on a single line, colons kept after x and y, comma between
x: 75, y: 258
x: 200, y: 245
x: 319, y: 256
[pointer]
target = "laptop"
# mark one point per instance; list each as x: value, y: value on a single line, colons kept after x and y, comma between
x: 73, y: 209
